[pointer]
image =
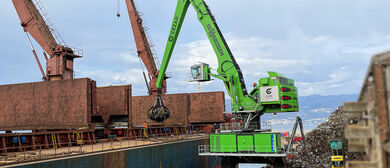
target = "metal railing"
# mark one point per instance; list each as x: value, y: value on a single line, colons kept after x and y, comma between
x: 49, y: 22
x: 248, y: 108
x: 57, y: 150
x: 76, y: 51
x: 149, y: 39
x: 53, y: 29
x: 238, y: 126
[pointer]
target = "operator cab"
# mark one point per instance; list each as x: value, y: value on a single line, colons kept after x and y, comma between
x: 200, y: 72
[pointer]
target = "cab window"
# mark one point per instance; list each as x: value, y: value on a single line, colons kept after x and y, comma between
x: 195, y: 72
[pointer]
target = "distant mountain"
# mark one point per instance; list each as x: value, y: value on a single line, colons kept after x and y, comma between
x: 314, y: 110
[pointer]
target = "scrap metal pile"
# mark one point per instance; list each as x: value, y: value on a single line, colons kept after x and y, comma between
x: 317, y: 150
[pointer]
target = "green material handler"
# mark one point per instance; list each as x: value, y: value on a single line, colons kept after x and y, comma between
x: 272, y: 94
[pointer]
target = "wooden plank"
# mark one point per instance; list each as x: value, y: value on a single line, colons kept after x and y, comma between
x: 357, y: 131
x: 354, y: 109
x: 356, y: 147
x: 361, y: 164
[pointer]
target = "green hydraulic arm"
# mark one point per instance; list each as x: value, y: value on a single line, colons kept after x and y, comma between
x: 228, y: 70
x: 228, y: 67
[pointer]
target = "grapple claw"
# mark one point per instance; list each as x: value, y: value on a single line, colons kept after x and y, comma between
x: 159, y: 111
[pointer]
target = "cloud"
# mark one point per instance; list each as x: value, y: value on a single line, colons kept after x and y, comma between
x: 341, y: 80
x: 254, y: 55
x: 321, y: 110
x: 321, y: 38
x: 257, y: 55
x: 324, y: 46
x: 281, y: 121
x: 129, y: 58
x: 111, y: 77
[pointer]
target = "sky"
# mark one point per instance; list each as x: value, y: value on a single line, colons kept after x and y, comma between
x: 325, y: 46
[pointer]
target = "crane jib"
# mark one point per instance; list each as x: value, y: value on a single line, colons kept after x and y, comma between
x: 215, y: 39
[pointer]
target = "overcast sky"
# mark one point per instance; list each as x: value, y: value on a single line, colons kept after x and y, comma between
x: 324, y: 45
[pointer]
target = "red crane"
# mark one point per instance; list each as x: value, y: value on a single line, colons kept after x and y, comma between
x: 34, y: 20
x: 143, y: 49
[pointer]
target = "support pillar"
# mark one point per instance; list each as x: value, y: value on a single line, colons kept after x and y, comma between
x: 46, y: 142
x: 69, y: 140
x: 20, y: 145
x: 4, y: 146
x: 58, y: 140
x: 33, y: 142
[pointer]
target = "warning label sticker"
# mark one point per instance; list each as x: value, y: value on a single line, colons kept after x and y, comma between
x: 269, y: 94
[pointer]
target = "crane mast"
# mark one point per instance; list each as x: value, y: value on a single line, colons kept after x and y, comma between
x: 144, y: 49
x: 33, y: 17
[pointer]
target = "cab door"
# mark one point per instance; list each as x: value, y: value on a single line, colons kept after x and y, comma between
x: 245, y: 143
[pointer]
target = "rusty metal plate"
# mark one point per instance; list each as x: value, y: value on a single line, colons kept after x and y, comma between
x: 61, y: 104
x: 178, y: 104
x: 206, y: 107
x: 113, y: 100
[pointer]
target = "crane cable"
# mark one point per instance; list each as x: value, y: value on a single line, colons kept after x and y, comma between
x: 143, y: 72
x: 118, y: 9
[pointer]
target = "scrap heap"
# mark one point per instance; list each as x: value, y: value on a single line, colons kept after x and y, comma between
x: 317, y: 150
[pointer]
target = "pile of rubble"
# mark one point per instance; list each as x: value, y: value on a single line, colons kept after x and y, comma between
x: 317, y: 151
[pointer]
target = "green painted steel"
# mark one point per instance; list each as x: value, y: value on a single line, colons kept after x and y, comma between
x: 287, y: 93
x: 245, y: 142
x: 267, y: 143
x: 223, y: 143
x: 229, y: 71
x: 272, y: 94
x: 178, y: 18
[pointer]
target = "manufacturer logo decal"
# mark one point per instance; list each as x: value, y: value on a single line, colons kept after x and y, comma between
x: 212, y: 35
x: 269, y: 94
x: 173, y: 29
x: 269, y: 91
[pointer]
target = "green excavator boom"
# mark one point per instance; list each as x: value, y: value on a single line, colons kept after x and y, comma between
x: 272, y: 94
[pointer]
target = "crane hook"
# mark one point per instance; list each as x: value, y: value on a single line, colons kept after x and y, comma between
x: 118, y: 9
